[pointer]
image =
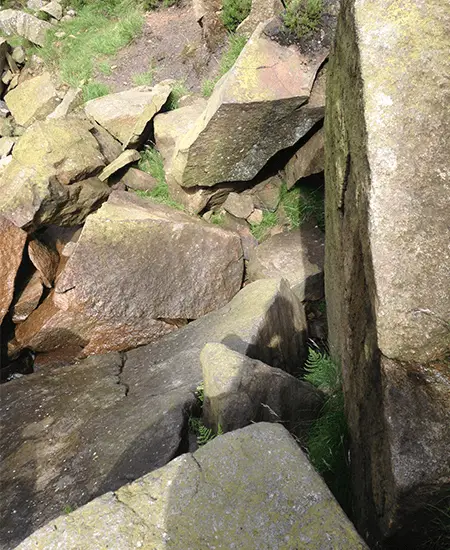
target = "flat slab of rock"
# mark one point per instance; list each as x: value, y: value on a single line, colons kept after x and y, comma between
x: 29, y: 298
x: 12, y: 243
x: 239, y: 205
x: 257, y: 109
x: 126, y: 115
x: 297, y: 255
x: 125, y: 158
x: 33, y: 99
x: 239, y: 390
x: 137, y: 268
x: 127, y: 416
x: 308, y: 160
x: 138, y: 180
x: 219, y: 490
x: 15, y: 22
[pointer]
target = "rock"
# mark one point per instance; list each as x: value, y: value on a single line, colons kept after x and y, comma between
x: 54, y: 9
x: 219, y: 490
x: 261, y: 11
x: 6, y: 146
x: 256, y: 217
x: 297, y: 255
x: 125, y: 158
x: 72, y: 99
x: 45, y: 260
x: 146, y: 397
x: 387, y: 258
x: 207, y: 13
x: 240, y: 391
x: 29, y: 298
x: 12, y: 242
x: 18, y: 54
x: 50, y: 155
x: 126, y: 115
x: 241, y: 227
x: 308, y: 160
x: 36, y: 4
x: 197, y: 199
x: 257, y: 109
x: 15, y: 22
x: 238, y: 205
x: 33, y: 99
x: 138, y: 180
x: 109, y: 146
x: 4, y: 163
x: 266, y: 194
x: 173, y: 124
x: 137, y: 301
x: 4, y: 47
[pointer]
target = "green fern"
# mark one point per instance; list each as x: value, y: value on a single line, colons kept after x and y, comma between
x: 200, y: 393
x: 322, y: 372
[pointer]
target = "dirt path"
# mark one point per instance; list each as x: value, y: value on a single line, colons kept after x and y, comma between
x: 171, y: 44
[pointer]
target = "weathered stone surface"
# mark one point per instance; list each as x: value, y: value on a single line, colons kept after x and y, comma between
x: 207, y: 13
x: 266, y: 195
x: 199, y: 268
x: 12, y: 242
x: 6, y: 146
x: 15, y: 22
x: 308, y: 160
x: 33, y: 99
x: 258, y: 108
x: 241, y: 227
x: 45, y: 260
x: 170, y: 126
x: 264, y: 320
x: 219, y: 490
x: 72, y: 99
x: 240, y: 391
x: 297, y: 255
x: 18, y: 54
x: 125, y: 158
x: 126, y: 115
x: 387, y: 256
x: 50, y: 155
x: 138, y: 180
x: 109, y: 146
x: 29, y: 298
x: 239, y: 205
x: 261, y: 11
x: 54, y: 9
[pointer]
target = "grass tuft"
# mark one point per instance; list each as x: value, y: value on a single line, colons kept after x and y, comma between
x: 144, y: 79
x: 178, y: 91
x: 303, y: 204
x: 260, y: 231
x: 155, y: 4
x: 234, y: 12
x: 303, y: 17
x: 93, y: 89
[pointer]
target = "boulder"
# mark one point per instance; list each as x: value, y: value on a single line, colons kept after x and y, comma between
x: 241, y: 227
x: 124, y: 159
x: 19, y: 55
x: 387, y: 258
x: 219, y: 490
x: 126, y: 115
x: 28, y: 299
x: 12, y: 243
x: 15, y: 22
x: 113, y: 295
x: 261, y: 11
x: 48, y: 157
x: 44, y: 259
x: 257, y: 109
x: 239, y: 391
x: 145, y: 396
x: 207, y: 13
x: 308, y: 160
x: 71, y: 100
x: 32, y: 99
x: 267, y: 194
x: 54, y: 9
x: 239, y: 205
x: 138, y: 180
x: 297, y: 255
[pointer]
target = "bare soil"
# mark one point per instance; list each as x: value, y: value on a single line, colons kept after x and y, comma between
x: 171, y: 43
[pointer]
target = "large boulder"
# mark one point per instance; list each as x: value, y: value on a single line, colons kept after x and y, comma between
x: 49, y: 179
x: 297, y: 255
x: 137, y: 270
x: 253, y: 488
x: 145, y: 396
x: 126, y: 115
x: 32, y: 99
x: 12, y: 243
x: 239, y: 390
x: 15, y: 22
x: 258, y: 108
x: 387, y: 257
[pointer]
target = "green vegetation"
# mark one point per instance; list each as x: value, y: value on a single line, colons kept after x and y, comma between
x: 303, y: 17
x: 99, y: 31
x: 259, y: 231
x: 94, y: 89
x: 144, y: 79
x: 196, y: 426
x: 235, y: 47
x: 217, y: 218
x: 67, y: 509
x: 234, y: 12
x: 155, y: 4
x: 328, y: 438
x: 178, y: 91
x: 152, y: 163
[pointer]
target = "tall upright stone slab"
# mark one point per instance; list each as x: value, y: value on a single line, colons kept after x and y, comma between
x: 387, y: 255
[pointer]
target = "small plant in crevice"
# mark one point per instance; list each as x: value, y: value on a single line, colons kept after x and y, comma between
x: 260, y: 230
x: 196, y: 425
x: 303, y: 17
x: 178, y: 91
x: 234, y: 12
x: 145, y: 78
x: 328, y: 438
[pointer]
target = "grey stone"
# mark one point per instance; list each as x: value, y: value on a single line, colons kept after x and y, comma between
x: 138, y: 180
x: 239, y: 205
x: 71, y: 100
x: 261, y: 11
x: 18, y: 54
x: 6, y: 146
x: 308, y: 160
x: 15, y: 22
x: 54, y: 9
x: 125, y: 158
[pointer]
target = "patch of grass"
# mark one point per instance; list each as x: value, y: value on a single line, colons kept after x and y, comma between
x: 94, y: 89
x: 152, y: 163
x: 217, y: 218
x: 100, y: 29
x: 328, y: 437
x: 259, y: 231
x: 303, y: 17
x: 144, y: 79
x: 178, y: 91
x: 67, y: 509
x: 155, y: 4
x: 234, y: 12
x: 228, y: 59
x: 303, y: 204
x: 105, y: 68
x: 437, y: 533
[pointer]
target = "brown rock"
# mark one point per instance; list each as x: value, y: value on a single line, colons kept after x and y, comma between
x: 262, y: 10
x: 45, y: 260
x: 28, y: 299
x: 207, y: 13
x: 266, y: 195
x: 241, y: 227
x: 239, y: 205
x: 308, y: 160
x: 124, y: 159
x: 138, y: 180
x: 12, y: 242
